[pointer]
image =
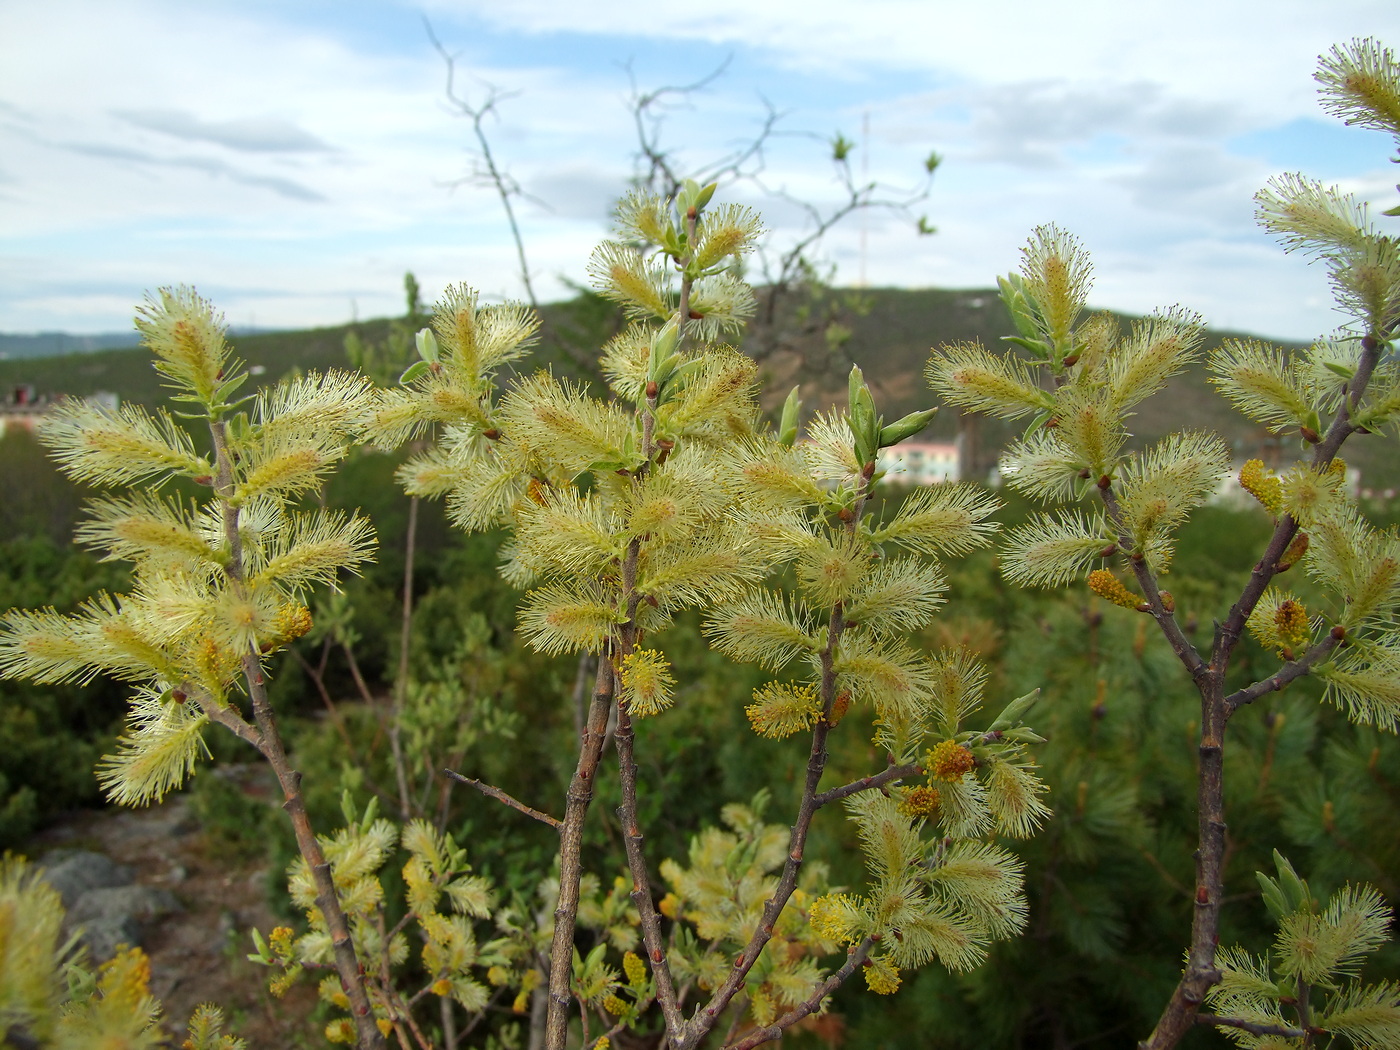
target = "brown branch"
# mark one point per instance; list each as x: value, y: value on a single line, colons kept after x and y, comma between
x: 505, y: 186
x: 1289, y: 672
x: 580, y: 796
x: 1200, y: 974
x: 347, y: 963
x: 1252, y: 1027
x: 707, y: 1016
x: 809, y: 1005
x: 401, y: 678
x: 877, y: 780
x: 641, y: 879
x: 491, y: 791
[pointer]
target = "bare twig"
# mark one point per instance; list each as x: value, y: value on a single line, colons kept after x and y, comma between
x: 580, y: 797
x: 1252, y: 1027
x: 401, y: 679
x: 494, y: 175
x: 491, y: 791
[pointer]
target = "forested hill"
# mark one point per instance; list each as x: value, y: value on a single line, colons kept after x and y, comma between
x: 811, y: 340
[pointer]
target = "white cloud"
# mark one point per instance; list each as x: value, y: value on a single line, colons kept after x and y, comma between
x: 296, y: 163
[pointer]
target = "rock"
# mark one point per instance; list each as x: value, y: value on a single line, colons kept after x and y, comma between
x: 116, y: 915
x: 75, y: 872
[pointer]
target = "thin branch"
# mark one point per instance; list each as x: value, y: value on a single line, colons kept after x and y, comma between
x: 505, y: 186
x: 579, y: 798
x: 1289, y: 672
x: 1201, y: 974
x: 347, y: 963
x: 809, y: 1005
x: 401, y: 678
x: 1252, y: 1027
x: 491, y: 791
x: 641, y: 879
x: 877, y: 780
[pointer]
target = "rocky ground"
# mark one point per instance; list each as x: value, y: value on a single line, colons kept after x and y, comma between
x: 152, y: 875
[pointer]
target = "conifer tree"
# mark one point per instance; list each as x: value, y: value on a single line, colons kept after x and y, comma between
x: 1116, y: 506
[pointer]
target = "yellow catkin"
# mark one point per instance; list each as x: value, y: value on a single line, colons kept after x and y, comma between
x: 281, y: 940
x: 384, y: 1025
x: 779, y: 710
x: 1263, y: 485
x: 647, y: 679
x: 293, y: 621
x: 830, y: 916
x: 949, y: 761
x: 881, y: 976
x: 1295, y: 551
x: 1110, y: 588
x: 635, y: 969
x: 340, y: 1031
x: 442, y: 986
x: 921, y: 802
x: 615, y: 1006
x: 670, y: 906
x: 1291, y: 622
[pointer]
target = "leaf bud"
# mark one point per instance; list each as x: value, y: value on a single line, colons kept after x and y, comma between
x: 787, y: 425
x: 1310, y: 435
x: 427, y: 345
x: 203, y: 479
x: 1168, y: 602
x: 906, y: 427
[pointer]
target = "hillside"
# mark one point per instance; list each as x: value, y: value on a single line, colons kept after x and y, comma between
x: 888, y: 332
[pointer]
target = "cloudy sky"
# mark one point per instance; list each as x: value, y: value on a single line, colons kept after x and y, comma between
x: 293, y: 158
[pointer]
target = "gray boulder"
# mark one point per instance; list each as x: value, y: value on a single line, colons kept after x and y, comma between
x: 117, y: 915
x: 75, y: 872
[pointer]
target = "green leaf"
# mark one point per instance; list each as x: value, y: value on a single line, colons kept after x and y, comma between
x: 413, y: 371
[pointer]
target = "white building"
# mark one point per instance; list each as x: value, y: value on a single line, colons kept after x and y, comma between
x: 919, y: 462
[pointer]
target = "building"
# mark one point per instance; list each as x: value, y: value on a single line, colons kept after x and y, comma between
x: 920, y: 462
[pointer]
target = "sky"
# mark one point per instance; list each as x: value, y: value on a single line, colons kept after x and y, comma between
x: 292, y: 159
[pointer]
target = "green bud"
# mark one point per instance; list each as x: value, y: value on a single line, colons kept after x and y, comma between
x: 1272, y: 895
x: 427, y: 345
x: 703, y: 197
x: 1020, y: 305
x: 1295, y: 890
x: 663, y: 346
x: 787, y: 426
x: 854, y: 382
x: 1012, y: 713
x: 907, y: 427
